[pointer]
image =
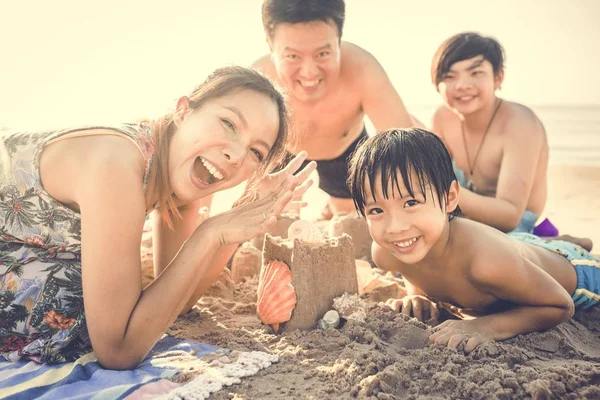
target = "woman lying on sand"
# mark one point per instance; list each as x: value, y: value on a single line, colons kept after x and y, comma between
x: 403, y: 182
x: 73, y: 205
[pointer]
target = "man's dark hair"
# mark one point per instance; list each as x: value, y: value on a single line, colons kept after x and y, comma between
x: 464, y: 46
x: 396, y: 153
x: 276, y: 12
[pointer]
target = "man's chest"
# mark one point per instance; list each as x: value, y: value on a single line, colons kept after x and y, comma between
x: 335, y: 117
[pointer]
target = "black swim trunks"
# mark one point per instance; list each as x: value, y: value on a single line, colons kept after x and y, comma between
x: 333, y: 174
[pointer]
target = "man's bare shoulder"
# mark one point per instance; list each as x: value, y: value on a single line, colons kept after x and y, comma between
x: 265, y: 65
x: 357, y: 61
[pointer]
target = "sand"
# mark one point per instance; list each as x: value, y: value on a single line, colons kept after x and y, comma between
x: 388, y: 356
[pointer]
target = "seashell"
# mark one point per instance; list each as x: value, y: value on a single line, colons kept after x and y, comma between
x: 306, y: 232
x: 276, y: 295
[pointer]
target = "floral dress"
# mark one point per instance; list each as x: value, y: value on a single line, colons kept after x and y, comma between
x: 42, y: 316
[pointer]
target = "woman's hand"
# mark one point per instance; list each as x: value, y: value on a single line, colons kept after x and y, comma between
x: 290, y: 172
x: 419, y: 307
x: 453, y: 332
x: 249, y: 220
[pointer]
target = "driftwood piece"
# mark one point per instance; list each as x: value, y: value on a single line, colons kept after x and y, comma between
x: 320, y: 273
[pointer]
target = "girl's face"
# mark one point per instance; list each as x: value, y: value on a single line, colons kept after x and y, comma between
x: 220, y: 144
x: 409, y: 227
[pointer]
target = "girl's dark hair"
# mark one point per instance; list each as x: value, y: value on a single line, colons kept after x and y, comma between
x: 400, y: 152
x: 276, y: 12
x: 464, y: 46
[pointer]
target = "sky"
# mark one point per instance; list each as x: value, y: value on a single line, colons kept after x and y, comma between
x: 83, y: 61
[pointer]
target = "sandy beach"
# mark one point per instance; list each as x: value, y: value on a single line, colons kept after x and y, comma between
x: 387, y: 356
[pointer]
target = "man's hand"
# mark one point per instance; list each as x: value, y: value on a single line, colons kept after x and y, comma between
x: 419, y: 307
x: 453, y: 332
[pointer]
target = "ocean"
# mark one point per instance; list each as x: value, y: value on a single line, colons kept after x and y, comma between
x: 573, y: 131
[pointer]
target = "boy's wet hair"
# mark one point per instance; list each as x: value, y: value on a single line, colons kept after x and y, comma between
x: 464, y: 46
x: 276, y: 12
x: 395, y: 154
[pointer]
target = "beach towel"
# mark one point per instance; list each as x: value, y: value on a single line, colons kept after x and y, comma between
x: 174, y: 369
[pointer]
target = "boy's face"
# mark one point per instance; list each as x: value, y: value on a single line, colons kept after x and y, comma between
x: 470, y: 85
x: 407, y: 226
x: 306, y: 57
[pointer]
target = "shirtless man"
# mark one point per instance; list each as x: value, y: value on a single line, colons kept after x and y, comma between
x: 331, y: 85
x: 499, y: 147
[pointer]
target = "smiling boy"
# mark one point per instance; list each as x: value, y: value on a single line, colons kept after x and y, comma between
x: 403, y: 182
x: 499, y: 147
x: 331, y: 85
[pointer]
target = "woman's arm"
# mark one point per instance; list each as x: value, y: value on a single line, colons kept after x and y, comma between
x: 124, y: 321
x: 166, y: 243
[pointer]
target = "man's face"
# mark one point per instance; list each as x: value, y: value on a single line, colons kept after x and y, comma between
x: 469, y: 85
x: 306, y: 57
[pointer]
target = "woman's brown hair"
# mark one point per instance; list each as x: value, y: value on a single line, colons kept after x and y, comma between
x: 221, y: 82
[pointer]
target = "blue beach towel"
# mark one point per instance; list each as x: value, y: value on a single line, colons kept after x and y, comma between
x: 175, y: 368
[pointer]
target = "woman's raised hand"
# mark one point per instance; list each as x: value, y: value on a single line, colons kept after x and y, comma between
x: 291, y: 172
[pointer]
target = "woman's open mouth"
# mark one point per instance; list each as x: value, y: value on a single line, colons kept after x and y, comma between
x: 205, y: 172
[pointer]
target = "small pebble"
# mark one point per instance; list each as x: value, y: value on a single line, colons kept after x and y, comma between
x: 332, y: 318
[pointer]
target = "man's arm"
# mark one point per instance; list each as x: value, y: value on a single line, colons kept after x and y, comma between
x: 525, y: 145
x: 380, y: 100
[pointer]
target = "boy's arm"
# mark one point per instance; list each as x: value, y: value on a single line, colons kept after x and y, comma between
x: 522, y: 152
x: 380, y: 100
x: 540, y: 302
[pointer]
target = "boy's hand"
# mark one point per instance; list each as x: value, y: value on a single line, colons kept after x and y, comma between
x: 453, y: 333
x: 419, y: 307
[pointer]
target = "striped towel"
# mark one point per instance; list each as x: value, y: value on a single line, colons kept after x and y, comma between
x: 175, y: 368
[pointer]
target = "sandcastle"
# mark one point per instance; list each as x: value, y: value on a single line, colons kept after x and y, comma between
x: 247, y: 259
x: 307, y: 271
x: 279, y: 229
x: 356, y: 226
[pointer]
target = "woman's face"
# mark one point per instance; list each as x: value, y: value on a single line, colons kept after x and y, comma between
x: 220, y: 144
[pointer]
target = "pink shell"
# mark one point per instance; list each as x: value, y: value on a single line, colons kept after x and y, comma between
x: 276, y: 295
x: 306, y: 232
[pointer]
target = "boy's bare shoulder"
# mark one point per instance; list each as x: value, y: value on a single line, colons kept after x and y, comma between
x: 521, y: 118
x: 384, y: 259
x: 493, y: 254
x: 444, y: 115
